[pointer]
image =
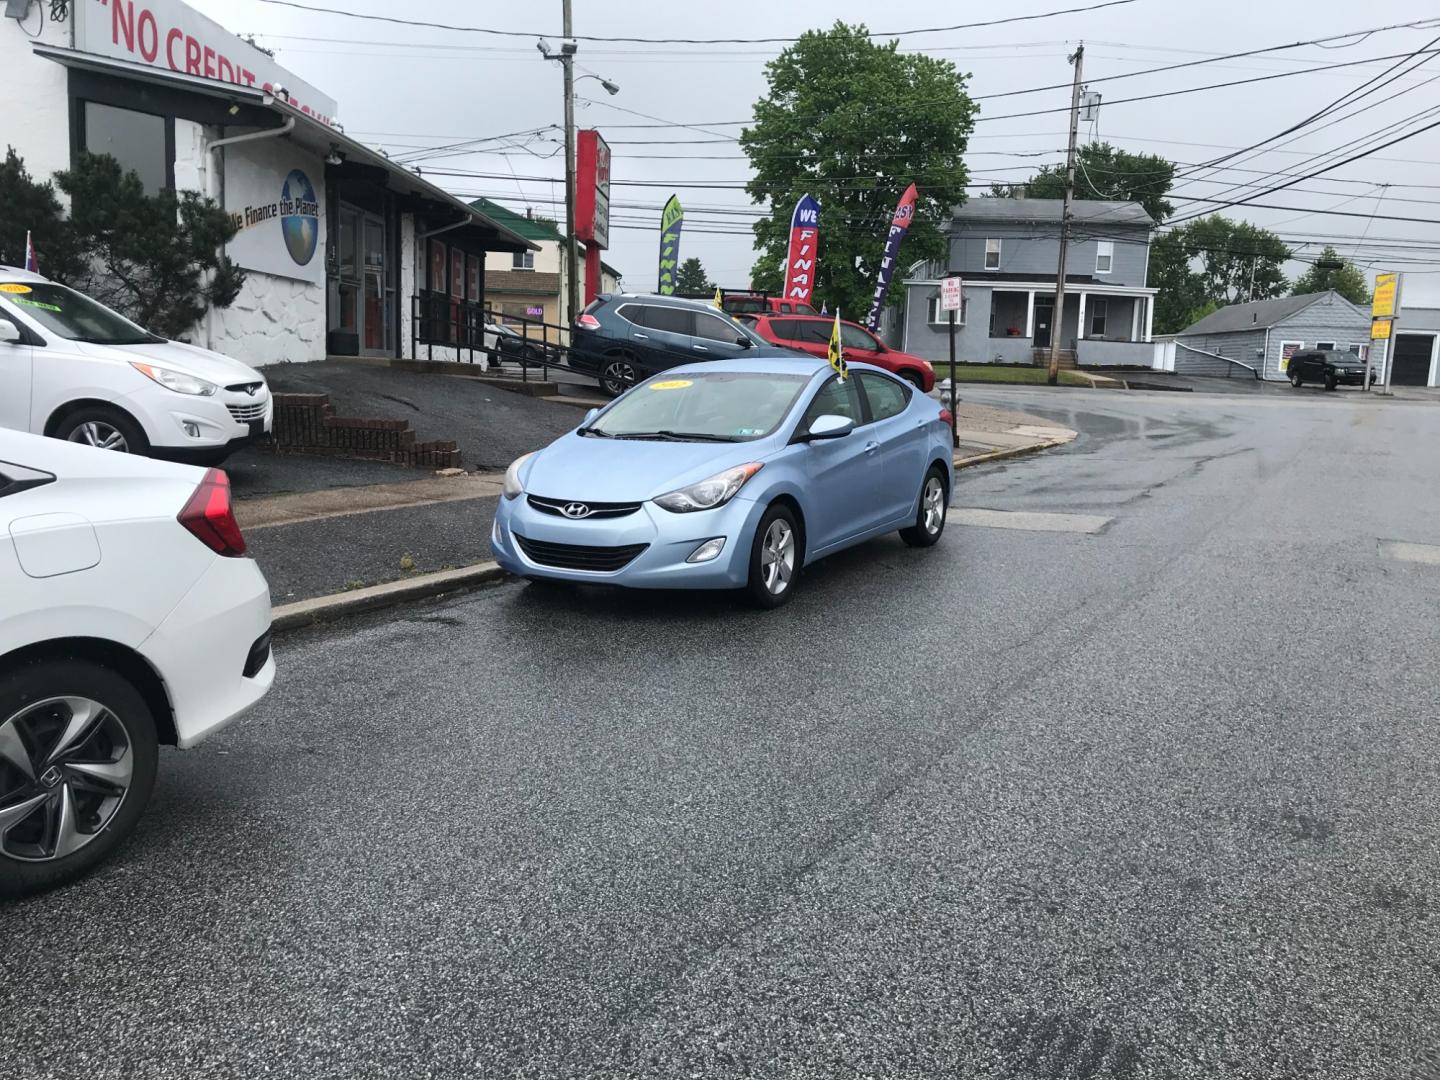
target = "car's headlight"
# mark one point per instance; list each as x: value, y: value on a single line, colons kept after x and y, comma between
x: 709, y: 493
x: 178, y: 381
x: 513, y: 488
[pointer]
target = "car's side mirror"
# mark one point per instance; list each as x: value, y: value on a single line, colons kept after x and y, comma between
x: 589, y: 416
x: 9, y: 333
x: 744, y: 342
x: 830, y: 426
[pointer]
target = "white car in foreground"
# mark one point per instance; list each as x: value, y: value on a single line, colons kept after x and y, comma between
x: 73, y: 369
x: 128, y: 618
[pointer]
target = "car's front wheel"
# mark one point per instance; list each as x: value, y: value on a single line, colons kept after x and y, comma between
x: 617, y: 375
x: 930, y: 517
x: 104, y: 428
x: 775, y: 558
x: 1331, y: 382
x: 77, y: 763
x: 914, y: 379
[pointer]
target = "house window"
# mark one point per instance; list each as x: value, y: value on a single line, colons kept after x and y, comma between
x: 936, y: 316
x: 522, y: 260
x: 138, y: 141
x: 992, y: 254
x: 1325, y: 346
x: 1099, y: 310
x: 1104, y: 256
x: 1361, y: 350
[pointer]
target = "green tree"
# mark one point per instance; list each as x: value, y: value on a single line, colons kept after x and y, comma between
x: 27, y: 205
x: 691, y: 278
x: 1104, y: 172
x: 157, y: 259
x: 1210, y: 262
x: 853, y: 122
x: 1346, y: 278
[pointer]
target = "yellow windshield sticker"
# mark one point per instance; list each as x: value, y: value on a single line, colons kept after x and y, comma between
x: 671, y: 384
x: 15, y: 287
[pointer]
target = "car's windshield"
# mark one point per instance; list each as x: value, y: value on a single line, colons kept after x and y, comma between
x: 730, y: 406
x: 70, y: 315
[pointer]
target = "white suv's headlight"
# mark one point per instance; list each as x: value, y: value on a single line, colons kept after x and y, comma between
x: 709, y: 493
x: 513, y: 488
x: 178, y: 381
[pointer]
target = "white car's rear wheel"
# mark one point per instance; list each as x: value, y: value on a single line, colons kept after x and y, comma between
x: 77, y: 762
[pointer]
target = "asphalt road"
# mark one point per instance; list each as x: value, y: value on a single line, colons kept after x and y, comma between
x: 1154, y: 801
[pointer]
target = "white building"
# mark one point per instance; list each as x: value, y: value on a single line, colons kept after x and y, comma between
x: 346, y: 252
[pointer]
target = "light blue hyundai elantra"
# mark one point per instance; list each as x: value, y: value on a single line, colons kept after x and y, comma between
x: 734, y: 474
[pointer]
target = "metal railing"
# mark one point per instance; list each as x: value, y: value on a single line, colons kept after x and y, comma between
x: 464, y: 327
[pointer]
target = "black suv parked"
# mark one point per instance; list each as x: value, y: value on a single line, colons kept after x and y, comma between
x: 1329, y: 366
x: 622, y: 339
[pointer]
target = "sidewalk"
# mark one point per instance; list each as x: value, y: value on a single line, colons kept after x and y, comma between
x: 344, y: 540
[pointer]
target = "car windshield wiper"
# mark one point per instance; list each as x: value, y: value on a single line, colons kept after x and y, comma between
x: 678, y: 436
x: 596, y: 432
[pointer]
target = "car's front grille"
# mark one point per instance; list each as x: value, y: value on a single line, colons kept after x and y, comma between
x: 578, y: 556
x: 245, y: 387
x: 580, y: 510
x: 246, y: 413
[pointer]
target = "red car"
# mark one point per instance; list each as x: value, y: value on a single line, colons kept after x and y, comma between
x: 761, y: 303
x: 811, y: 334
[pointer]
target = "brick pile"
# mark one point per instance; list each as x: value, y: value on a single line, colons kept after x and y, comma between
x: 307, y: 424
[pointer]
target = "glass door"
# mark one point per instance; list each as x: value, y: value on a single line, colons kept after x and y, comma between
x: 347, y: 278
x: 376, y: 316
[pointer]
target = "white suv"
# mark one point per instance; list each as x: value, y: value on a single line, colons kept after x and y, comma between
x: 73, y: 369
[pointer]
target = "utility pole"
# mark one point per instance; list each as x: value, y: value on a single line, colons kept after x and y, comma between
x: 1057, y: 320
x: 572, y: 257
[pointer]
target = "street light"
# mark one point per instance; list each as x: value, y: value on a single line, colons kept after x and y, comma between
x: 566, y: 59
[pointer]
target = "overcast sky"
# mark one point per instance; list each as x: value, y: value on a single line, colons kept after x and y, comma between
x: 409, y: 88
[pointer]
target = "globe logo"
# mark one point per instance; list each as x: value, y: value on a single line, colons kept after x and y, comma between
x: 299, y: 217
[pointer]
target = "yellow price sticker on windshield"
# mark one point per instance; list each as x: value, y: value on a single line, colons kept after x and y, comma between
x: 15, y: 287
x: 671, y: 384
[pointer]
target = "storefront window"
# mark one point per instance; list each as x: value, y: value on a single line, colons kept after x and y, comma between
x: 135, y: 139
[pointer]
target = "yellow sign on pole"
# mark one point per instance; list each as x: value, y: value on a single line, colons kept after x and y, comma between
x: 1383, y: 306
x: 1380, y: 329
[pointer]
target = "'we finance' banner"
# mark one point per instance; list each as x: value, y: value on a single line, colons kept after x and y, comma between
x: 800, y: 258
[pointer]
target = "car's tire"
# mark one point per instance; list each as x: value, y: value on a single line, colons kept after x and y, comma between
x: 91, y: 780
x: 103, y: 427
x: 914, y: 379
x: 618, y: 374
x: 776, y: 558
x: 930, y: 515
x: 1331, y: 382
x: 1295, y: 380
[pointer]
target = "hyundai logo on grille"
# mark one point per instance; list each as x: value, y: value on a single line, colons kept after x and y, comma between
x: 575, y: 510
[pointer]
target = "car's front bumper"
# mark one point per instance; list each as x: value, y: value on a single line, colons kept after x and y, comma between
x: 181, y: 425
x: 204, y: 646
x: 669, y: 539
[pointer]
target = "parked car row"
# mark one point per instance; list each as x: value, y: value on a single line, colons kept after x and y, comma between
x: 622, y: 339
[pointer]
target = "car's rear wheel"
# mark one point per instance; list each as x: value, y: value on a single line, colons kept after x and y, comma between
x: 775, y: 558
x: 77, y: 763
x: 1295, y: 379
x: 930, y: 516
x: 104, y: 428
x: 617, y: 375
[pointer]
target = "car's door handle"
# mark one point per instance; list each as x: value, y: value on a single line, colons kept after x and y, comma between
x: 642, y: 337
x: 702, y: 348
x: 871, y: 447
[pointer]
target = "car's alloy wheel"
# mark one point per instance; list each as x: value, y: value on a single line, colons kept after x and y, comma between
x: 100, y: 434
x: 618, y: 376
x: 66, y: 765
x: 932, y: 505
x: 777, y: 557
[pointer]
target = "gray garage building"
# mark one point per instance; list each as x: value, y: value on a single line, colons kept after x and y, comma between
x: 1261, y: 337
x: 1417, y: 348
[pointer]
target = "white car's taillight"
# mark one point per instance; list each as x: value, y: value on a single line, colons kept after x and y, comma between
x: 209, y: 517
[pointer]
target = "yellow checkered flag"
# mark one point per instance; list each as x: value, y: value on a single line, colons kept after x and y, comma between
x: 836, y: 352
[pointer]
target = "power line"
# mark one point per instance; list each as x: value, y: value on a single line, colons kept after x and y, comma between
x: 395, y: 20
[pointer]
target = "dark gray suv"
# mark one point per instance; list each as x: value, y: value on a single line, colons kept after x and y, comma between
x: 624, y: 338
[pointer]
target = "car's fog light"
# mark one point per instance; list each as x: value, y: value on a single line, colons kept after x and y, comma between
x: 497, y: 534
x: 191, y: 428
x: 710, y: 549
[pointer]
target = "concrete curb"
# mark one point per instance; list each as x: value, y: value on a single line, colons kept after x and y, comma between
x: 320, y: 609
x: 1009, y: 452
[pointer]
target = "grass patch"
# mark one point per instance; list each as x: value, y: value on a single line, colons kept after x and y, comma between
x: 986, y: 373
